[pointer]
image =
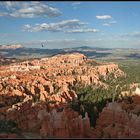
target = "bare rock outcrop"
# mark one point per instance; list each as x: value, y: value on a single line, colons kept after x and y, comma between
x: 65, y: 124
x: 56, y: 123
x: 34, y: 94
x: 52, y: 78
x: 115, y: 122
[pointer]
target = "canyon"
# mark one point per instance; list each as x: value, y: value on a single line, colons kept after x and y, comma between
x: 35, y: 94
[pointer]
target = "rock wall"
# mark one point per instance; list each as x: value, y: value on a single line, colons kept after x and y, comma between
x: 115, y: 122
x: 36, y: 99
x: 53, y: 82
x: 55, y: 123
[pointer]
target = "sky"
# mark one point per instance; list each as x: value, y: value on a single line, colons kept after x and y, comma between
x: 70, y: 24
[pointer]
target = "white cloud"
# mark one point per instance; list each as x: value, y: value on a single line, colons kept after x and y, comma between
x: 131, y: 34
x: 82, y: 30
x: 106, y: 24
x: 113, y: 22
x: 30, y: 9
x: 10, y: 5
x: 76, y: 3
x: 27, y: 27
x: 109, y: 23
x: 103, y: 17
x: 3, y: 14
x: 59, y: 26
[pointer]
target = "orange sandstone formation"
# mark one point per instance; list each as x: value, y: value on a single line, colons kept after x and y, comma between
x: 52, y: 76
x: 34, y: 94
x: 119, y: 120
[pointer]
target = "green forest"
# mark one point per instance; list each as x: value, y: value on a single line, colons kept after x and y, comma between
x: 92, y: 99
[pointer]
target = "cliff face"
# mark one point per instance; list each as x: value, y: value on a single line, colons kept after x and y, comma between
x: 65, y: 124
x: 52, y: 78
x: 55, y: 123
x: 35, y: 93
x: 119, y: 120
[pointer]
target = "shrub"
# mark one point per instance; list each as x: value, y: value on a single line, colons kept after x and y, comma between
x: 8, y: 126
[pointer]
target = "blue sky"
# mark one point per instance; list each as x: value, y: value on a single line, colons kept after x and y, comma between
x: 70, y: 24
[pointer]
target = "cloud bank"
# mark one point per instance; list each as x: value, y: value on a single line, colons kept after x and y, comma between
x: 82, y: 30
x: 67, y: 26
x: 109, y: 23
x: 28, y: 9
x: 131, y: 34
x: 102, y: 17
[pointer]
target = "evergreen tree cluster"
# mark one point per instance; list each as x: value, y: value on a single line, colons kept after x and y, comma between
x: 93, y: 99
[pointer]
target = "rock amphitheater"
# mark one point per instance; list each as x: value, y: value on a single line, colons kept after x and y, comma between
x: 50, y: 79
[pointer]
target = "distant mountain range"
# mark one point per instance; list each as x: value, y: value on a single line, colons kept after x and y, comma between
x: 41, y: 52
x: 86, y: 48
x: 91, y: 52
